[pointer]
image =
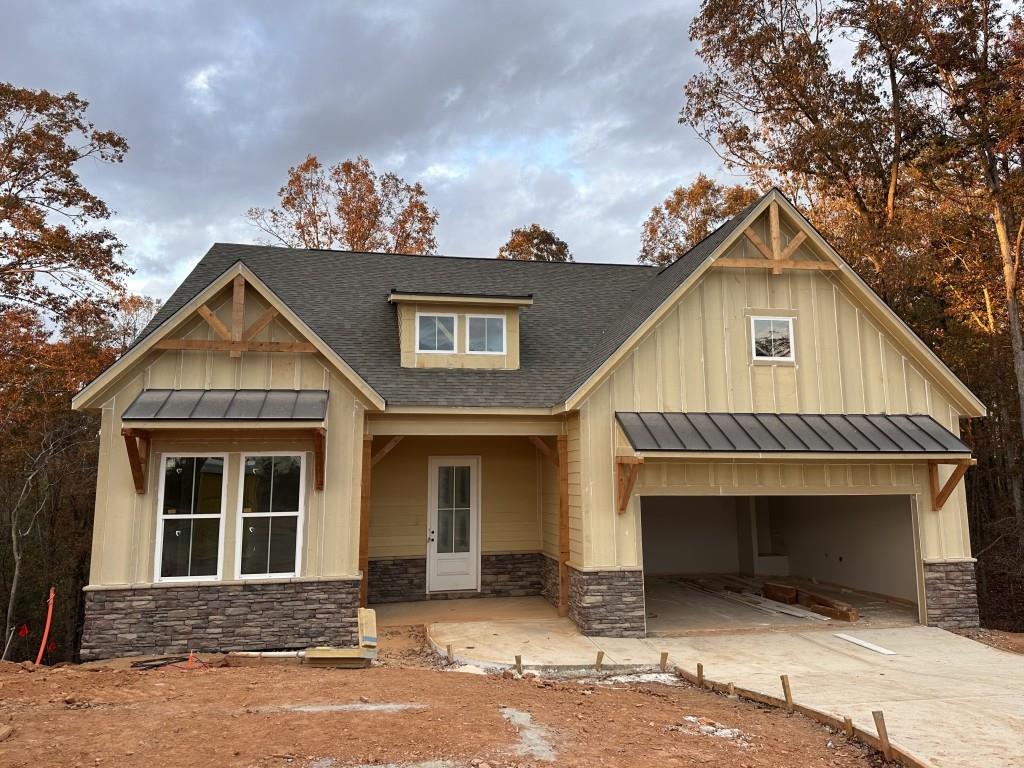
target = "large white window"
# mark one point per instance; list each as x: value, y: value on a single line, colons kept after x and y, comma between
x: 270, y: 521
x: 435, y: 333
x: 486, y: 334
x: 772, y: 338
x: 191, y: 507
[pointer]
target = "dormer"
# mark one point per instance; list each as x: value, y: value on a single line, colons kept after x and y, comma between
x: 459, y: 330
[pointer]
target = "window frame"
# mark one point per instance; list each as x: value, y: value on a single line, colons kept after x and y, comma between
x: 790, y: 321
x: 455, y: 326
x: 504, y: 334
x: 160, y: 517
x: 299, y: 526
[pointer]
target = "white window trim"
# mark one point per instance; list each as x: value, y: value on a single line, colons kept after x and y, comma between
x: 299, y: 528
x: 455, y: 325
x: 504, y: 334
x: 160, y: 516
x: 753, y: 339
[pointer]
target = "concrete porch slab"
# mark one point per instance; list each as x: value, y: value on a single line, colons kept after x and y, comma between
x: 464, y: 609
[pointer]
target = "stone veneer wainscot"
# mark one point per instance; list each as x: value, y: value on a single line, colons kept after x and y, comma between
x: 216, y: 616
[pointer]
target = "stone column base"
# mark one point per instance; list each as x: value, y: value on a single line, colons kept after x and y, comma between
x: 608, y: 603
x: 951, y: 594
x: 284, y: 615
x: 549, y: 579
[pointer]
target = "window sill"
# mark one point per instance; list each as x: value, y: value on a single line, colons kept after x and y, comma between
x: 779, y: 363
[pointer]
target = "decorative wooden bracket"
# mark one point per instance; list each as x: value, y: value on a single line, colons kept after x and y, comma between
x: 319, y: 457
x: 388, y: 447
x: 236, y: 339
x: 776, y: 257
x: 627, y: 469
x: 545, y: 449
x: 137, y: 443
x: 941, y: 495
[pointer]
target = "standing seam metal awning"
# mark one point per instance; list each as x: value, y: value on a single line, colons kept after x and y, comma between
x: 228, y: 405
x: 787, y: 433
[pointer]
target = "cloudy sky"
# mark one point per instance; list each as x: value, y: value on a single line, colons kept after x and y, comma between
x: 508, y: 112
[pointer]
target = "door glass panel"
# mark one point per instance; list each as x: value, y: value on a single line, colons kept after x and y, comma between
x: 445, y: 487
x: 461, y: 543
x: 444, y: 531
x: 461, y: 487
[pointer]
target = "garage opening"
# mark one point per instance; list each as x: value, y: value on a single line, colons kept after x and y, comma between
x: 780, y: 562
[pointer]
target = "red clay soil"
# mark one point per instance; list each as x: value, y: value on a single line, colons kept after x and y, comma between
x: 1004, y: 641
x: 240, y: 716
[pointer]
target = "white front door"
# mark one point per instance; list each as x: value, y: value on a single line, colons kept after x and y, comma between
x: 453, y: 523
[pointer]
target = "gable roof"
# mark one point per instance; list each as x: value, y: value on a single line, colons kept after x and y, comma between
x: 343, y: 297
x: 582, y: 319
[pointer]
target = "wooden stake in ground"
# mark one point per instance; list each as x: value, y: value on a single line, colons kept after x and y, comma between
x: 451, y: 656
x: 848, y: 726
x: 600, y: 659
x: 787, y: 692
x: 883, y: 734
x: 700, y: 675
x: 664, y: 661
x: 519, y: 664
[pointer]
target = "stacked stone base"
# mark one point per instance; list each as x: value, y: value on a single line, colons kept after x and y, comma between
x: 607, y: 603
x: 951, y: 595
x: 549, y: 579
x: 263, y: 616
x: 404, y: 579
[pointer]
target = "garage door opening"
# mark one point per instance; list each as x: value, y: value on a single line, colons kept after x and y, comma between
x: 780, y: 562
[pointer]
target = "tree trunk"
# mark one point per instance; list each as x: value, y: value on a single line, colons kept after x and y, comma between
x: 1007, y: 251
x: 16, y: 552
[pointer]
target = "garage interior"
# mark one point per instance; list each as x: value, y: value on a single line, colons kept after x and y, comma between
x: 778, y: 562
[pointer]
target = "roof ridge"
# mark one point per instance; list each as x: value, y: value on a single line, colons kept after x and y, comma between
x: 490, y: 259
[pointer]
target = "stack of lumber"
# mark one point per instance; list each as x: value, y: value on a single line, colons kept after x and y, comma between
x: 349, y: 658
x: 774, y: 597
x: 815, y: 601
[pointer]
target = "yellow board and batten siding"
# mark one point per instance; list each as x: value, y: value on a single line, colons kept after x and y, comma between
x: 513, y: 499
x: 125, y: 523
x: 697, y: 357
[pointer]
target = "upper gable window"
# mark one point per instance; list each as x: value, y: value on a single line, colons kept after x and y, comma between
x: 435, y: 333
x: 772, y: 338
x: 486, y: 334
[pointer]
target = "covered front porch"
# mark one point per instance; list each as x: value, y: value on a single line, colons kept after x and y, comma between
x: 464, y: 508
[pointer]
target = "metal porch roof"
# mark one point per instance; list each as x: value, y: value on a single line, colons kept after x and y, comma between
x: 228, y: 405
x: 787, y: 433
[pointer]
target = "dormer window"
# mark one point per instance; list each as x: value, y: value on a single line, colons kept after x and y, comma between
x: 435, y: 333
x: 486, y: 334
x: 772, y: 338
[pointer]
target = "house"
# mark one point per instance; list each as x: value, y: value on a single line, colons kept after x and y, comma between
x: 298, y: 433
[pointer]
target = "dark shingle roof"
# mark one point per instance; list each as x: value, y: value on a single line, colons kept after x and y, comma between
x: 580, y: 315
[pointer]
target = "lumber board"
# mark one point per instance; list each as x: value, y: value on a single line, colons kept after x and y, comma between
x: 783, y: 593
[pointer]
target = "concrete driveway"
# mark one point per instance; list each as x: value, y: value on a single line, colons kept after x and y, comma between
x: 948, y: 700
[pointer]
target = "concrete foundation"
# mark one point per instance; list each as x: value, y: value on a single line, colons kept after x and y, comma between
x: 162, y: 619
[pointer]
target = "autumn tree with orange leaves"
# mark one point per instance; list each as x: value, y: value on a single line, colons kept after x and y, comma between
x: 349, y: 206
x: 687, y: 216
x: 534, y: 243
x: 64, y: 316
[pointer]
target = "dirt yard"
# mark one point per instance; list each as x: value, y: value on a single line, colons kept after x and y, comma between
x: 1004, y: 641
x: 401, y: 712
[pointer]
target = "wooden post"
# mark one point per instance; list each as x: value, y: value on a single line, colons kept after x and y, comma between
x: 364, y: 520
x: 664, y: 661
x: 237, y: 312
x: 451, y: 656
x: 519, y: 664
x: 563, y: 525
x: 775, y: 236
x: 600, y: 659
x: 848, y: 726
x: 700, y: 675
x: 787, y: 692
x: 731, y: 689
x: 883, y: 734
